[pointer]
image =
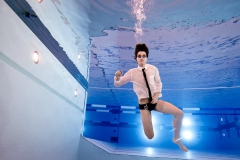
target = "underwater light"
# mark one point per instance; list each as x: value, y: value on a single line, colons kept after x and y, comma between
x: 188, y: 135
x: 35, y: 57
x: 149, y: 151
x: 154, y: 121
x: 79, y: 56
x: 186, y: 122
x: 40, y: 1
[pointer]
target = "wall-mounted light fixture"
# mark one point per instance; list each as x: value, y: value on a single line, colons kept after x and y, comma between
x: 40, y: 1
x: 75, y: 93
x: 35, y: 57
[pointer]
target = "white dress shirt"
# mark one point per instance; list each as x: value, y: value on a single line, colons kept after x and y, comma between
x: 135, y: 76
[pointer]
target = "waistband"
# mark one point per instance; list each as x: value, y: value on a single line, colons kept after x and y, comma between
x: 147, y: 106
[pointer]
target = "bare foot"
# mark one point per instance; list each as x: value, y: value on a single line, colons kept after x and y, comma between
x: 179, y: 143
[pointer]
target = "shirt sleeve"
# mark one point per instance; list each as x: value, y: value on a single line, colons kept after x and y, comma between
x: 158, y: 82
x: 124, y: 79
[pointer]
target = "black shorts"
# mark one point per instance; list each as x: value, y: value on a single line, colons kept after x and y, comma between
x: 148, y: 106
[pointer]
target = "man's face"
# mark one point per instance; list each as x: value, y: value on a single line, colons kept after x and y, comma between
x: 141, y: 58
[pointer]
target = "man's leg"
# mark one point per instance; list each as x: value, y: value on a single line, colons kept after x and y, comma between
x: 147, y: 123
x: 168, y: 108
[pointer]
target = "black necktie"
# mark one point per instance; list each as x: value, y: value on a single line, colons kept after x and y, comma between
x: 149, y: 91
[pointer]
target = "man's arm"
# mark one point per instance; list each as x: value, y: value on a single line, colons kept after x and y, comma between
x: 158, y: 84
x: 156, y: 95
x: 120, y: 80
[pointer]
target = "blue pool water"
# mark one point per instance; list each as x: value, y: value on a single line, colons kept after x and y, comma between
x: 196, y: 47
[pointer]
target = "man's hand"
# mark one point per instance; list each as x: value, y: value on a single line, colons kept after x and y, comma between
x: 118, y: 74
x: 155, y: 98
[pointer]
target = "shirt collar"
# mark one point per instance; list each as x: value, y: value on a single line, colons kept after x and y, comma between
x: 140, y: 68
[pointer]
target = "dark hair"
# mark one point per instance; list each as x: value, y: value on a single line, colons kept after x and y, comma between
x: 140, y: 47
